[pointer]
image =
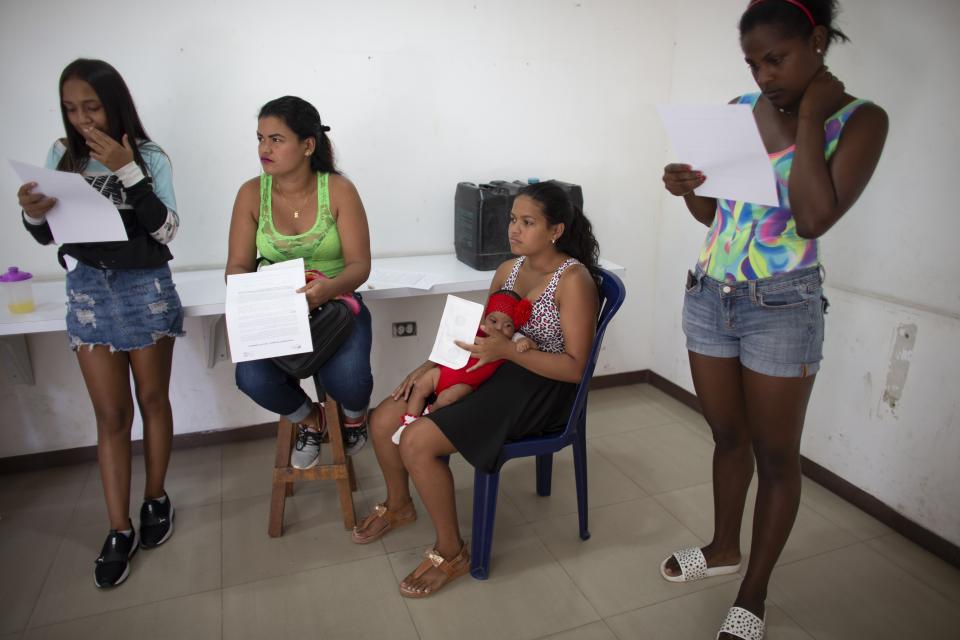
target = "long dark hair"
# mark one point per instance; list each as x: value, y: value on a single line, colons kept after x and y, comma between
x: 304, y: 120
x: 792, y: 20
x: 122, y: 117
x: 577, y: 239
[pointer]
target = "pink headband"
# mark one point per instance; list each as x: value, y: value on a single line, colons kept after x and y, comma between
x: 795, y: 3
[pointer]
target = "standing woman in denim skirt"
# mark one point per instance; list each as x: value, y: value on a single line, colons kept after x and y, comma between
x: 753, y: 310
x: 123, y: 311
x: 301, y: 207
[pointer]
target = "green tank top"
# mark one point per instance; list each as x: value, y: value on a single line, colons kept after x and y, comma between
x: 319, y: 246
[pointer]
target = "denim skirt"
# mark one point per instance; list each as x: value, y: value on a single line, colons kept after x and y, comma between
x: 124, y: 309
x: 773, y: 325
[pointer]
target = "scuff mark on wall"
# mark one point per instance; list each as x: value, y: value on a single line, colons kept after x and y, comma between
x: 899, y: 366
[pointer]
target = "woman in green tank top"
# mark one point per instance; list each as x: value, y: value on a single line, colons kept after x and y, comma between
x: 302, y: 207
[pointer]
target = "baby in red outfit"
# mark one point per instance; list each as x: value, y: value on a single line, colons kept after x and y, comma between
x: 505, y: 313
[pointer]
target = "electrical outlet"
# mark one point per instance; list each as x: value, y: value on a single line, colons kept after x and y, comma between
x: 404, y: 329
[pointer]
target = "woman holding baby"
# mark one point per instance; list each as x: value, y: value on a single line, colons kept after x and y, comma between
x: 556, y: 270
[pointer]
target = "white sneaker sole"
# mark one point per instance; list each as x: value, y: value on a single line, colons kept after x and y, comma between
x: 310, y: 465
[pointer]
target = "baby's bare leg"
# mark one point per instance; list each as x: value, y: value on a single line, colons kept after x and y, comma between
x: 452, y: 394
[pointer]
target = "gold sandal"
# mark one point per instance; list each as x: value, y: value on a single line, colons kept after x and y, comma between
x: 394, y: 519
x: 453, y: 568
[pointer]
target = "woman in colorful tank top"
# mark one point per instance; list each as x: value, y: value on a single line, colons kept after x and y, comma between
x: 531, y: 392
x: 753, y: 310
x: 302, y: 207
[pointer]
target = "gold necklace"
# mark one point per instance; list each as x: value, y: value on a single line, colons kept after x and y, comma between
x: 296, y: 210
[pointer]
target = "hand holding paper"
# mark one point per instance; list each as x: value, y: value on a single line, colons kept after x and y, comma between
x: 80, y: 214
x: 459, y: 322
x: 266, y: 317
x: 34, y: 204
x: 722, y: 142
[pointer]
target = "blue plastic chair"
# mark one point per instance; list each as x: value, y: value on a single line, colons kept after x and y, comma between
x: 486, y: 485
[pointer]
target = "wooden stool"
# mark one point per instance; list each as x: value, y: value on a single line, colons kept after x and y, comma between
x: 284, y: 475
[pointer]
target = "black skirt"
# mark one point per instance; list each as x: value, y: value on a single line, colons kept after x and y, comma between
x: 512, y: 404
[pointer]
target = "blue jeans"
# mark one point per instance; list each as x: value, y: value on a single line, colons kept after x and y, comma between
x: 346, y: 376
x: 125, y: 309
x: 773, y: 325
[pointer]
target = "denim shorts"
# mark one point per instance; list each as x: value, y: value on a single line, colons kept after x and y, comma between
x: 125, y: 309
x: 773, y: 325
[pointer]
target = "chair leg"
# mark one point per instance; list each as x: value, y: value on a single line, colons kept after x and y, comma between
x: 544, y: 473
x: 286, y: 461
x: 485, y: 486
x: 344, y: 485
x: 280, y: 489
x: 580, y: 474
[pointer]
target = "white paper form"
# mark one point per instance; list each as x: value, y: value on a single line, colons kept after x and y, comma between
x: 81, y: 214
x: 724, y: 143
x: 265, y: 315
x: 389, y: 278
x: 460, y: 321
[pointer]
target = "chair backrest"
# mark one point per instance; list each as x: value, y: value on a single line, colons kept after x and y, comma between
x: 612, y: 294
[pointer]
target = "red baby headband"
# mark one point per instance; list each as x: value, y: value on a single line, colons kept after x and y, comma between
x: 518, y: 310
x: 795, y: 3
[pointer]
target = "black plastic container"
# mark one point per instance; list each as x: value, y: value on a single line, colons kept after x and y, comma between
x: 482, y: 216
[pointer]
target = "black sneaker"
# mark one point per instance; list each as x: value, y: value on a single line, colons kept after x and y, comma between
x: 156, y: 522
x: 113, y: 565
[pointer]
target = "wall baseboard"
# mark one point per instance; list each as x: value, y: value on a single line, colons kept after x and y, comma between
x: 923, y: 537
x: 79, y: 455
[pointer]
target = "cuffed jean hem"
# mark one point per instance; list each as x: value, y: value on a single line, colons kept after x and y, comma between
x: 301, y: 414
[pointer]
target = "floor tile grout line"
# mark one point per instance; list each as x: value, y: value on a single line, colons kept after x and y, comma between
x: 838, y: 524
x: 406, y: 601
x: 725, y: 581
x: 818, y: 554
x: 909, y: 571
x: 609, y: 628
x: 883, y: 557
x: 308, y: 570
x: 619, y: 470
x: 579, y: 626
x: 63, y: 537
x: 792, y: 619
x: 567, y: 573
x: 120, y: 609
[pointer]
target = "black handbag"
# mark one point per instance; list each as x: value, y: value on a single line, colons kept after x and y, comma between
x: 330, y: 326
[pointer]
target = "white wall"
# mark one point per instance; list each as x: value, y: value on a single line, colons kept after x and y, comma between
x: 419, y: 95
x: 891, y: 262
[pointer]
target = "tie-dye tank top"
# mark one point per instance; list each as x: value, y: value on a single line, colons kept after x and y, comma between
x: 749, y: 241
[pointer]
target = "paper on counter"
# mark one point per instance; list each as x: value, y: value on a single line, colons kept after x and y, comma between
x: 81, y: 213
x: 390, y: 278
x: 460, y: 321
x: 724, y: 143
x: 265, y: 315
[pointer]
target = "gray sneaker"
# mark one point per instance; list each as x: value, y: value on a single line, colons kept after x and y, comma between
x: 354, y: 434
x: 306, y: 451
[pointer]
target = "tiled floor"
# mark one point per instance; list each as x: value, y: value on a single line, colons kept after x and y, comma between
x: 842, y: 575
